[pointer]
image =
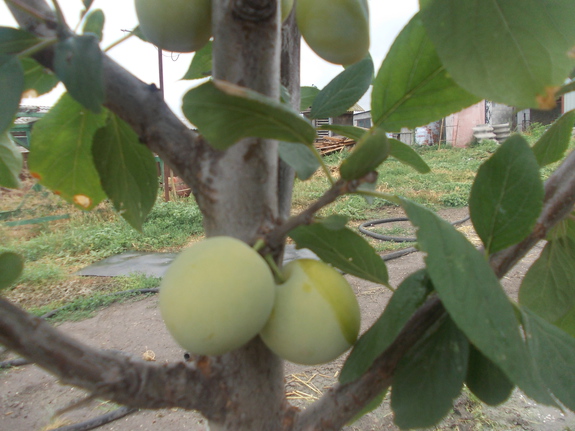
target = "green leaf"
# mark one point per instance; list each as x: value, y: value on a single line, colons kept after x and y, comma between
x: 553, y: 351
x: 344, y: 90
x: 567, y: 322
x: 512, y: 52
x: 95, y: 23
x: 11, y: 266
x: 37, y: 79
x: 61, y: 153
x: 369, y: 407
x: 300, y: 158
x: 548, y: 288
x: 335, y: 221
x: 430, y: 376
x: 552, y: 146
x: 11, y: 87
x: 408, y: 156
x: 78, y: 64
x: 127, y: 170
x: 352, y: 132
x: 10, y: 162
x: 507, y: 195
x: 474, y: 299
x: 486, y: 380
x: 343, y: 249
x: 201, y: 65
x: 15, y: 40
x: 368, y: 154
x: 412, y: 88
x: 225, y: 113
x: 138, y: 33
x: 408, y: 297
x: 307, y: 96
x: 567, y: 88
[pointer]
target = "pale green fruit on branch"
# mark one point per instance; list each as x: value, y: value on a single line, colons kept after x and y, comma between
x: 316, y: 316
x: 287, y: 6
x: 176, y: 25
x: 337, y: 30
x: 216, y: 296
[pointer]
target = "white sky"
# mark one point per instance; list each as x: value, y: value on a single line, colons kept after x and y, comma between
x: 387, y: 19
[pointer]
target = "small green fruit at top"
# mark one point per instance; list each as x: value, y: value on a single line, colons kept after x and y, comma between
x: 316, y: 316
x: 337, y: 30
x: 176, y: 25
x: 216, y: 296
x: 287, y: 6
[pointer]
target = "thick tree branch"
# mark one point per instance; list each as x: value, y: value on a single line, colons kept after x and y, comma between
x: 341, y: 403
x: 110, y: 375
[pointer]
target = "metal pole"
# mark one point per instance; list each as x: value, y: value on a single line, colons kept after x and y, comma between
x: 166, y: 172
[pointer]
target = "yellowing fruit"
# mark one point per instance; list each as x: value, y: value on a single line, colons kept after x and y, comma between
x: 316, y: 316
x: 176, y: 25
x: 216, y: 296
x: 337, y: 30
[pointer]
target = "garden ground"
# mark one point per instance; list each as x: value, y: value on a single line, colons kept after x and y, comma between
x: 29, y: 397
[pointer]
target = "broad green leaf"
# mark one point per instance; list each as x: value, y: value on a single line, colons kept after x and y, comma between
x: 95, y: 23
x: 512, y: 52
x: 552, y: 145
x: 201, y: 65
x: 408, y: 156
x: 474, y: 299
x: 408, y: 297
x: 567, y: 322
x: 285, y: 96
x: 486, y: 380
x: 368, y: 154
x: 430, y: 376
x: 225, y: 113
x: 548, y: 288
x: 10, y: 162
x: 11, y: 266
x: 371, y: 406
x: 307, y: 96
x: 565, y: 228
x: 344, y: 90
x: 87, y: 3
x: 61, y: 153
x: 553, y: 351
x: 11, y: 87
x: 334, y: 222
x: 138, y: 33
x: 412, y: 88
x: 38, y: 80
x: 343, y: 249
x: 300, y: 158
x: 127, y: 170
x: 78, y: 64
x: 15, y: 40
x: 507, y: 195
x: 352, y: 132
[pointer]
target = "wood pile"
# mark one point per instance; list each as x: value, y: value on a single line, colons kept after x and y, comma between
x: 328, y: 145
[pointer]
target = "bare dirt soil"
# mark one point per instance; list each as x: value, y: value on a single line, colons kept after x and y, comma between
x: 29, y: 397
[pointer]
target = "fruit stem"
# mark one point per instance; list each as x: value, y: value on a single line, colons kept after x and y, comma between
x: 275, y: 269
x: 260, y: 243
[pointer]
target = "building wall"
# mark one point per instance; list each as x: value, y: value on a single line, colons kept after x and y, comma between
x: 459, y: 126
x: 569, y: 102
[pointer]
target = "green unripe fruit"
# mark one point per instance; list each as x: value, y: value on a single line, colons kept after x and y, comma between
x: 316, y: 316
x: 216, y: 296
x: 176, y: 25
x: 287, y: 6
x: 337, y: 30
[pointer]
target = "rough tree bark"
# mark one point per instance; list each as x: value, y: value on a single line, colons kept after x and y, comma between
x: 242, y: 390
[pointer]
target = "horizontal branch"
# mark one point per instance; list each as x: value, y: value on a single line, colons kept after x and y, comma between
x: 110, y: 375
x: 343, y: 402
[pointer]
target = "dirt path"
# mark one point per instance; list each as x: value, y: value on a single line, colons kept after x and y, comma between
x: 29, y: 396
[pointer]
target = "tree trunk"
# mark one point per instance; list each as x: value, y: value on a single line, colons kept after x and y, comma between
x: 243, y: 197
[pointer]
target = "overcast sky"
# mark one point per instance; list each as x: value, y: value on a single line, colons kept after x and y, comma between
x: 387, y: 19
